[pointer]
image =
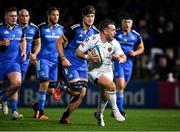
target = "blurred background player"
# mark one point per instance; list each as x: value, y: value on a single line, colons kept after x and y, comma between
x: 132, y: 45
x: 11, y: 40
x: 47, y: 59
x: 32, y: 34
x: 32, y: 37
x: 76, y: 69
x: 102, y: 76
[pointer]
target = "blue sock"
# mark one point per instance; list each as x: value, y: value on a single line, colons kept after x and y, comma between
x: 41, y: 100
x: 120, y: 100
x: 4, y: 98
x: 14, y: 105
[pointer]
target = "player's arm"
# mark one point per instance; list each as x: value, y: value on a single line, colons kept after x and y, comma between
x: 83, y: 48
x: 118, y: 53
x: 61, y: 42
x: 5, y: 42
x: 37, y: 48
x: 139, y: 47
x: 23, y: 48
x: 139, y: 50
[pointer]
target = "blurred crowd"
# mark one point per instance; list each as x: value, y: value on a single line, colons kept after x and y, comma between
x: 157, y: 21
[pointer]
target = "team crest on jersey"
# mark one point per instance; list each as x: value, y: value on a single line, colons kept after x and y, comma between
x: 31, y: 31
x: 110, y: 49
x: 53, y: 34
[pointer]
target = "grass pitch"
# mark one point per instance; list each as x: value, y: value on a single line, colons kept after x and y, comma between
x: 83, y: 120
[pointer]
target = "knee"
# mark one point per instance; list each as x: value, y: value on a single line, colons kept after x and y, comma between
x: 16, y: 85
x: 112, y: 86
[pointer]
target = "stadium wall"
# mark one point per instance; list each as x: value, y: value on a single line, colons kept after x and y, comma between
x: 139, y: 94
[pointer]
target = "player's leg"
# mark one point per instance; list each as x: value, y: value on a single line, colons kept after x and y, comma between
x: 15, y: 83
x: 14, y: 98
x: 122, y: 76
x: 14, y: 101
x: 5, y: 109
x: 76, y: 88
x: 103, y: 100
x: 105, y: 81
x: 42, y: 68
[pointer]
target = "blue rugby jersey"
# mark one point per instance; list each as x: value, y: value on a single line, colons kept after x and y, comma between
x: 31, y: 33
x: 129, y: 41
x: 49, y: 37
x: 15, y: 35
x: 75, y: 36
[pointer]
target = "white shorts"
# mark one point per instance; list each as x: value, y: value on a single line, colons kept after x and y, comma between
x: 96, y: 73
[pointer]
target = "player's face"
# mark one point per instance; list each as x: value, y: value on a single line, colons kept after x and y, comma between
x: 88, y: 20
x: 127, y: 25
x: 54, y: 17
x: 24, y: 17
x: 11, y: 18
x: 110, y: 32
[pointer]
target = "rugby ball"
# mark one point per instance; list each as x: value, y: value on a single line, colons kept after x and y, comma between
x: 99, y: 51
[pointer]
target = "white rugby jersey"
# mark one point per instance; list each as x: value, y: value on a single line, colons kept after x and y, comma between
x: 109, y: 47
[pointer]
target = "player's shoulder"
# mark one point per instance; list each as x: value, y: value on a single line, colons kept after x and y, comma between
x: 92, y: 38
x: 42, y: 24
x: 119, y: 30
x: 75, y: 26
x: 33, y: 25
x: 114, y: 42
x: 1, y: 24
x: 59, y: 25
x: 135, y: 32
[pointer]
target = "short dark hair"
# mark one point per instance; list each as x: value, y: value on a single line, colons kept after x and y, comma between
x: 10, y: 9
x: 89, y: 9
x: 51, y: 9
x: 105, y: 23
x: 127, y: 17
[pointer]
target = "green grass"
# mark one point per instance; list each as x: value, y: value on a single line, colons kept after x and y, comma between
x: 83, y: 120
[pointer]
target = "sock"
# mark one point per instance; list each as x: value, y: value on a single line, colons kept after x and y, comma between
x: 41, y: 101
x: 112, y: 99
x: 120, y: 100
x: 14, y: 105
x: 101, y: 106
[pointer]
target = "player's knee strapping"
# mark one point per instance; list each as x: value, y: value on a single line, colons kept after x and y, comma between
x: 77, y: 86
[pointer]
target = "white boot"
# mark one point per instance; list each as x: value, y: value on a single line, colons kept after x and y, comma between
x: 5, y: 108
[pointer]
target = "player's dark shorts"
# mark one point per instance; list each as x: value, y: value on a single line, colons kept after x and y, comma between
x: 46, y: 69
x: 123, y: 70
x: 8, y: 67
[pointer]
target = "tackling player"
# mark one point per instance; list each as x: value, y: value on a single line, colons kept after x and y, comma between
x: 76, y: 70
